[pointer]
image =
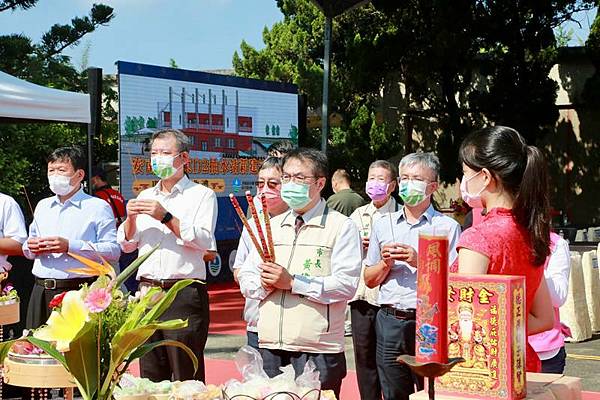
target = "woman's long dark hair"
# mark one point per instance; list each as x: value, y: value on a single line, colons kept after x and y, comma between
x: 522, y: 171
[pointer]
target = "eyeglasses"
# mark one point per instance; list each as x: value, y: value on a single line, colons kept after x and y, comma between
x: 298, y: 178
x: 414, y: 179
x: 272, y: 184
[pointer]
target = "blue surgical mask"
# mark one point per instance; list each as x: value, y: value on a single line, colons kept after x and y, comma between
x: 295, y: 195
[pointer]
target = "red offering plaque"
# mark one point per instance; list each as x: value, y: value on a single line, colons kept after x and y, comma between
x: 486, y: 326
x: 432, y: 313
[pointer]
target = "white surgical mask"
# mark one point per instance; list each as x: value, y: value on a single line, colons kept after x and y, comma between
x: 162, y: 166
x: 413, y: 192
x: 60, y: 184
x: 473, y: 200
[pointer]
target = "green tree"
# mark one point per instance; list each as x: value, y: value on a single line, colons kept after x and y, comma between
x: 418, y: 74
x: 294, y: 133
x: 151, y: 123
x: 24, y: 147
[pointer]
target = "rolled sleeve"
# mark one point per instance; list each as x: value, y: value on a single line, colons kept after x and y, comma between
x: 249, y: 278
x: 27, y: 253
x: 341, y: 284
x: 13, y: 221
x: 33, y: 233
x: 197, y: 232
x: 76, y: 246
x: 374, y: 250
x: 128, y: 246
x: 557, y: 273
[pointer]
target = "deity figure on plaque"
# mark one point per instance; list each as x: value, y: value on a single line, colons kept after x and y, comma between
x: 466, y: 339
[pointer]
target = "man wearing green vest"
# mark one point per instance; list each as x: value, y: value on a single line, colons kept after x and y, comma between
x: 305, y: 291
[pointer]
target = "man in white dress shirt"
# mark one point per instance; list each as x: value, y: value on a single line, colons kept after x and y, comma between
x: 304, y: 292
x: 179, y: 216
x: 12, y: 231
x: 71, y: 221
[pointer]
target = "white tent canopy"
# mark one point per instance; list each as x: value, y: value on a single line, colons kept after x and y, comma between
x: 20, y: 99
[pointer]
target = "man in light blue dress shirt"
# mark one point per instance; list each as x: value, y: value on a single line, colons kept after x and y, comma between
x: 391, y: 264
x: 71, y: 221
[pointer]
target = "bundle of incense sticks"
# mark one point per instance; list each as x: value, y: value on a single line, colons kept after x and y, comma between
x: 265, y: 249
x: 263, y: 200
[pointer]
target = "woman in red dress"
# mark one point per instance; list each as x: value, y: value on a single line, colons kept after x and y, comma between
x: 508, y: 178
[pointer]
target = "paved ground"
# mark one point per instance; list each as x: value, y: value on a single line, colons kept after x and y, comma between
x: 583, y: 358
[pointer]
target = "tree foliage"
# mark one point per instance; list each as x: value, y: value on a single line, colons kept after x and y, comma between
x: 430, y: 70
x: 24, y: 147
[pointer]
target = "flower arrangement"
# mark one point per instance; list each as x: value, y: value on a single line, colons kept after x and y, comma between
x: 97, y: 331
x: 8, y: 294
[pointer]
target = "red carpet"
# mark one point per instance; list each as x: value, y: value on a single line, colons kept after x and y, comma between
x: 226, y: 309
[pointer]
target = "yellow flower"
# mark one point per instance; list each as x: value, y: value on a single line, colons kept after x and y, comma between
x: 64, y: 325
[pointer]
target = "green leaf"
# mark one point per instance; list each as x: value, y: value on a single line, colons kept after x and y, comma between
x: 123, y: 345
x: 50, y: 349
x: 127, y: 272
x: 5, y: 348
x: 144, y: 349
x: 128, y: 341
x: 161, y: 306
x: 82, y: 359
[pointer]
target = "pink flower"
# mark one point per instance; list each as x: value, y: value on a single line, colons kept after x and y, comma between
x: 97, y: 300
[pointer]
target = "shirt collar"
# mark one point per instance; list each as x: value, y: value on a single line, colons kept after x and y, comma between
x: 309, y: 217
x: 75, y: 199
x: 178, y: 187
x: 389, y: 207
x: 428, y: 214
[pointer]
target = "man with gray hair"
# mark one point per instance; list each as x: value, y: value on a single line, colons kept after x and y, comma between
x: 381, y: 183
x: 179, y: 216
x: 391, y: 265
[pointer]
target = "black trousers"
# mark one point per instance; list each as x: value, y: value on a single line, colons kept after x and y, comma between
x: 172, y: 363
x: 252, y: 339
x: 395, y: 337
x: 363, y: 316
x: 556, y: 364
x: 37, y: 309
x: 331, y: 367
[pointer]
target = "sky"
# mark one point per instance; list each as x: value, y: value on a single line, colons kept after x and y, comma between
x: 197, y: 34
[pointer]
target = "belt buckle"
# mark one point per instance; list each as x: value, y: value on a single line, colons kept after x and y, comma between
x: 49, y: 284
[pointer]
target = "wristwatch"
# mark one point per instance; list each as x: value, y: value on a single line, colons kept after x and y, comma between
x: 168, y: 217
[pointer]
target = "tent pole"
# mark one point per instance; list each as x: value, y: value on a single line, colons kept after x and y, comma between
x: 95, y: 92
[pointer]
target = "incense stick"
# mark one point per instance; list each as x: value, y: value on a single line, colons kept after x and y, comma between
x: 263, y: 200
x: 259, y: 230
x: 240, y: 213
